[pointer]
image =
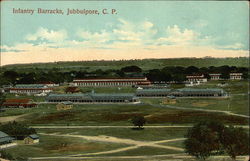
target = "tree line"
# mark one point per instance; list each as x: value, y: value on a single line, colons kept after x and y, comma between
x: 170, y: 73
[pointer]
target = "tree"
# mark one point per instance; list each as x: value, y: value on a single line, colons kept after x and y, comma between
x: 139, y: 121
x: 11, y: 76
x: 235, y: 141
x: 203, y: 139
x: 191, y: 70
x: 2, y: 98
x: 132, y: 68
x: 17, y: 130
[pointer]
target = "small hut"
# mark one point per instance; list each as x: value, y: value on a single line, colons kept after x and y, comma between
x: 31, y: 139
x: 64, y: 106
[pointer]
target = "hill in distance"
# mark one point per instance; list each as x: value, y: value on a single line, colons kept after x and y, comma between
x: 145, y: 64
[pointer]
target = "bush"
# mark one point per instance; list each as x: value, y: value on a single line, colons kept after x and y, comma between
x: 138, y: 121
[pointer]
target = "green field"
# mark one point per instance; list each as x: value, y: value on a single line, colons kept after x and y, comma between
x: 63, y: 146
x: 145, y: 64
x: 57, y: 146
x: 93, y: 114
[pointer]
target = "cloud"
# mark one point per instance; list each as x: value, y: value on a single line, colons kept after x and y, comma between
x: 235, y: 46
x: 126, y: 40
x: 176, y: 36
x: 98, y: 37
x: 6, y: 48
x: 48, y: 35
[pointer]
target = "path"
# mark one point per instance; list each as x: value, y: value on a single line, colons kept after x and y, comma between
x: 111, y: 139
x: 96, y: 127
x: 199, y: 109
x: 12, y: 118
x: 167, y: 157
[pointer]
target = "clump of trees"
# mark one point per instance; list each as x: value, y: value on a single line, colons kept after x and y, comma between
x: 17, y: 130
x: 212, y: 137
x: 2, y: 98
x: 138, y: 122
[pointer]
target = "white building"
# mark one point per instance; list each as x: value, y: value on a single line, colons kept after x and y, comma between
x: 215, y: 76
x: 30, y: 89
x: 196, y: 78
x: 235, y: 76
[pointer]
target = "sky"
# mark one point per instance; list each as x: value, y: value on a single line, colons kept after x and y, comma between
x: 136, y: 30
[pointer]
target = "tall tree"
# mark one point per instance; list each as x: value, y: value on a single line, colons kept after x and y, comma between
x: 139, y: 121
x: 235, y: 141
x: 203, y: 139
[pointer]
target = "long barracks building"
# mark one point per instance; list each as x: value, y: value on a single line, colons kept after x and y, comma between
x: 111, y: 82
x: 183, y: 92
x: 30, y: 89
x: 93, y: 98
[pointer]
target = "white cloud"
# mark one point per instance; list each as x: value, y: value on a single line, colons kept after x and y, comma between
x: 176, y: 36
x: 234, y: 46
x: 49, y: 35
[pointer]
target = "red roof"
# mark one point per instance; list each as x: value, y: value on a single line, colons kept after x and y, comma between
x: 109, y: 78
x: 46, y: 82
x: 17, y: 101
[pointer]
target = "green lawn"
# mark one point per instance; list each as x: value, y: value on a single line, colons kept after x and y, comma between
x: 147, y: 134
x: 144, y: 151
x: 58, y: 146
x: 114, y: 114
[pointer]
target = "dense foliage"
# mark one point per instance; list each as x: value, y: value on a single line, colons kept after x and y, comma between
x: 17, y: 130
x: 138, y: 121
x: 235, y: 141
x: 2, y: 98
x: 212, y: 137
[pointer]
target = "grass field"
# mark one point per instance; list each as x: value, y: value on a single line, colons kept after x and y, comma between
x: 58, y: 145
x: 93, y: 114
x: 147, y: 134
x: 145, y: 64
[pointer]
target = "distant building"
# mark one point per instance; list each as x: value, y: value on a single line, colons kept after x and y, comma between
x: 153, y: 92
x: 196, y: 78
x: 31, y: 139
x: 30, y: 89
x: 169, y: 100
x: 49, y: 84
x: 93, y: 98
x: 6, y: 141
x: 196, y: 92
x: 111, y: 82
x: 64, y: 106
x: 235, y: 76
x: 183, y: 92
x: 19, y: 103
x: 215, y: 76
x: 72, y: 90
